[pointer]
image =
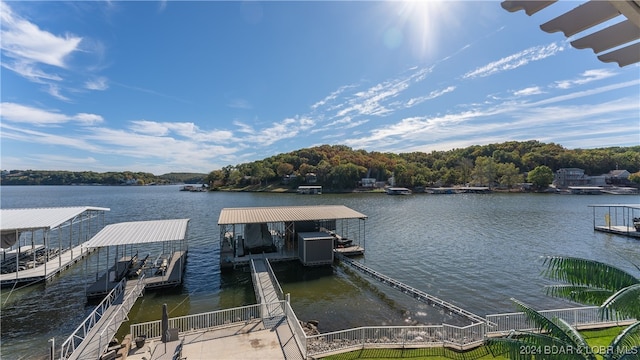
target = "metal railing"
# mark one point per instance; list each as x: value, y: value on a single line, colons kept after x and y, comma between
x: 460, y: 338
x: 274, y: 280
x: 576, y: 317
x: 199, y: 322
x: 395, y: 336
x: 75, y: 339
x: 296, y: 328
x: 120, y: 316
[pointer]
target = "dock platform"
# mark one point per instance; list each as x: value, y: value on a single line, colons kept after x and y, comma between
x: 619, y: 230
x: 41, y: 270
x: 618, y: 219
x: 39, y: 243
x: 156, y: 275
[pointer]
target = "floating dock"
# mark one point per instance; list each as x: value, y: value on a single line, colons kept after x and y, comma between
x: 161, y: 241
x: 39, y: 243
x: 282, y: 234
x: 616, y: 219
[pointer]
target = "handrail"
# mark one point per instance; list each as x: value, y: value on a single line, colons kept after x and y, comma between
x: 274, y: 280
x: 120, y: 315
x: 69, y: 346
x: 202, y: 321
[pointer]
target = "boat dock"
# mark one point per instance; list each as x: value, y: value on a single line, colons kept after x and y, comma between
x: 126, y: 280
x: 619, y: 219
x: 158, y: 275
x: 413, y: 292
x: 39, y: 243
x: 284, y: 233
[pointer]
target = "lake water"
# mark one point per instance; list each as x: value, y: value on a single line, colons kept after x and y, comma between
x: 474, y: 250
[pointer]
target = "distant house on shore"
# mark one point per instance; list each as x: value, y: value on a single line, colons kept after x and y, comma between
x: 574, y: 177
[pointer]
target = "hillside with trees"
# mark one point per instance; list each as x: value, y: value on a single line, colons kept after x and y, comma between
x: 340, y: 168
x: 44, y: 177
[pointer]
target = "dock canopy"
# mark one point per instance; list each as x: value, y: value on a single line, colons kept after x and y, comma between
x: 41, y: 218
x: 229, y: 216
x: 139, y: 232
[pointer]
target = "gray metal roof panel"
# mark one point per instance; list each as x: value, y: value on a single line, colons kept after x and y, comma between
x: 41, y: 218
x: 250, y: 215
x: 140, y: 232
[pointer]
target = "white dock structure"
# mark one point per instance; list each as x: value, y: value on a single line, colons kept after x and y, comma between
x: 411, y: 291
x: 91, y: 339
x: 274, y: 232
x: 155, y: 248
x: 616, y: 219
x: 39, y: 243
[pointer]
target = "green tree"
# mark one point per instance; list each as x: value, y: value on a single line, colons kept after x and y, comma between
x: 540, y: 177
x: 509, y: 175
x: 485, y: 171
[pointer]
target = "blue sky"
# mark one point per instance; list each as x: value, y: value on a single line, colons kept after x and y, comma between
x: 194, y: 86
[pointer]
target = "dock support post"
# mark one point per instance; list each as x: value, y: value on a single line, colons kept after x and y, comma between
x: 52, y: 349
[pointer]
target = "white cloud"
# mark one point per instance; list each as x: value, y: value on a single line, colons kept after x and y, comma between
x: 533, y: 90
x: 585, y: 78
x: 99, y: 83
x: 24, y: 114
x: 54, y: 90
x: 26, y: 42
x: 515, y: 61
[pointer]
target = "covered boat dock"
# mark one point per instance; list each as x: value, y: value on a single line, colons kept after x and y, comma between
x: 156, y: 249
x: 38, y: 243
x: 621, y: 219
x: 278, y: 233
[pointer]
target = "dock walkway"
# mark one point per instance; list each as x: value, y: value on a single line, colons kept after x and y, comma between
x: 415, y: 293
x: 92, y: 337
x: 268, y: 292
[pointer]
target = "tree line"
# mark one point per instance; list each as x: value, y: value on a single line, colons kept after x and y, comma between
x: 45, y: 177
x: 339, y: 167
x: 505, y: 164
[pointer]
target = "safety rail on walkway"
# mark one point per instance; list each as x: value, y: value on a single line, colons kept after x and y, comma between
x: 255, y: 280
x: 415, y: 293
x: 93, y: 345
x: 579, y: 317
x: 120, y: 316
x: 296, y: 328
x: 201, y: 322
x: 81, y: 332
x: 274, y: 280
x: 396, y: 336
x: 444, y: 335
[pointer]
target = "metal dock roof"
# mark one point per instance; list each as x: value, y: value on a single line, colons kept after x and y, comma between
x: 41, y: 218
x: 251, y: 215
x: 139, y: 232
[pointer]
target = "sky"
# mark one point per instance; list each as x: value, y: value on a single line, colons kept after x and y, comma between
x: 194, y: 86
